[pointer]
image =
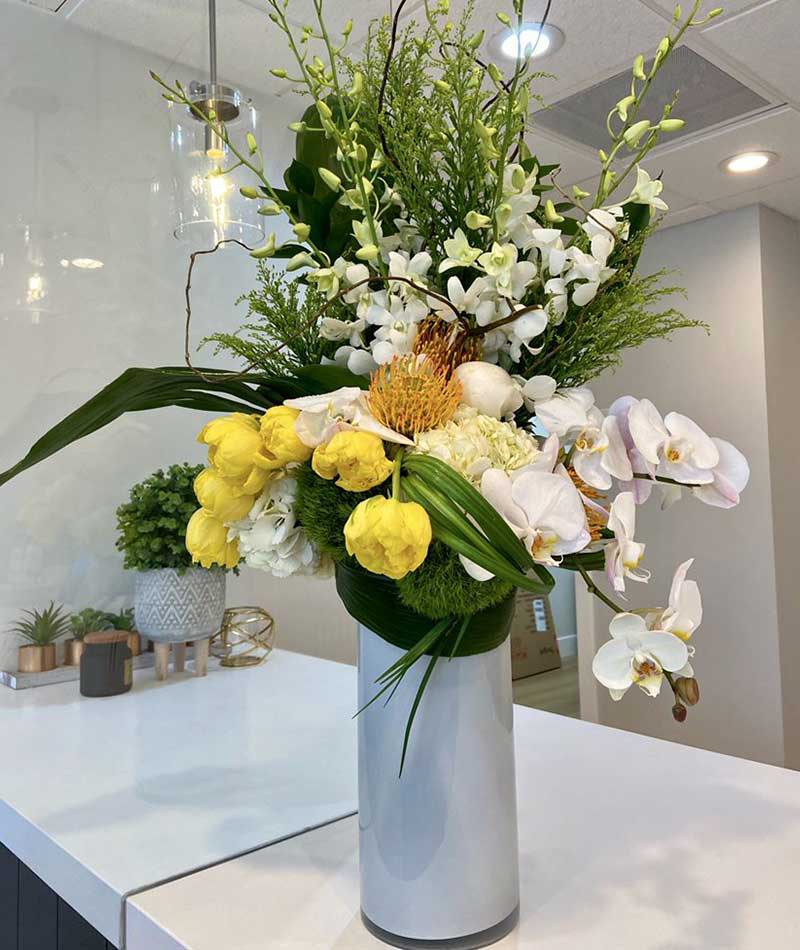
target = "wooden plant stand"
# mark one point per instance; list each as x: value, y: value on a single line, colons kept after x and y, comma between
x: 162, y: 651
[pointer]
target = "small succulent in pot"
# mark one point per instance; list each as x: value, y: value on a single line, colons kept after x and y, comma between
x: 124, y: 620
x: 88, y: 620
x: 40, y: 630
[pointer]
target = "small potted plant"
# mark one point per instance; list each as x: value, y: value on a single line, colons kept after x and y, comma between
x: 40, y: 630
x: 175, y: 600
x: 87, y: 621
x: 124, y: 621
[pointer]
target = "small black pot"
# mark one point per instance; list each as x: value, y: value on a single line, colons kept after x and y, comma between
x: 106, y: 664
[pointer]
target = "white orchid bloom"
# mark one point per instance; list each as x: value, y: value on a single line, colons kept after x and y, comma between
x: 459, y: 252
x: 640, y: 488
x: 624, y: 554
x: 536, y: 389
x: 499, y: 260
x: 603, y: 229
x: 355, y: 359
x: 565, y: 412
x: 544, y: 510
x: 351, y: 330
x: 676, y: 445
x: 514, y: 219
x: 550, y: 245
x: 731, y: 475
x: 647, y: 191
x: 397, y: 327
x: 684, y: 613
x: 590, y: 271
x: 599, y: 452
x: 516, y: 181
x: 523, y: 330
x: 479, y: 300
x: 557, y: 305
x: 328, y: 279
x: 361, y: 295
x: 321, y: 417
x: 488, y: 388
x: 637, y: 656
x: 415, y: 268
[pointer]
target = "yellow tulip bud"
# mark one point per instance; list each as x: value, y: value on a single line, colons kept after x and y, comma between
x: 281, y: 444
x: 221, y: 497
x: 207, y: 541
x: 388, y: 536
x: 233, y: 443
x: 357, y: 458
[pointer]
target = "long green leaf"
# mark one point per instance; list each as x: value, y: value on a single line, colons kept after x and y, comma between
x: 139, y: 389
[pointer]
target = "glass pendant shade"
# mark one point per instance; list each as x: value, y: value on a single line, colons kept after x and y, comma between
x: 208, y: 205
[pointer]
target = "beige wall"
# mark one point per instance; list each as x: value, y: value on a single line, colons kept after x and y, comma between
x: 780, y: 268
x: 733, y: 271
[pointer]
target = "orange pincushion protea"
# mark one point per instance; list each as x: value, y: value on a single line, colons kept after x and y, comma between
x: 413, y: 393
x: 447, y: 343
x: 594, y: 520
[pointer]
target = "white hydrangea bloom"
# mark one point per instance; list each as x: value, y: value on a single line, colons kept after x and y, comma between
x: 472, y: 443
x: 270, y: 538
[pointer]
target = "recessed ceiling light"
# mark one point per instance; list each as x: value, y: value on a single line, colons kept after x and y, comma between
x: 746, y: 162
x: 533, y: 40
x: 86, y: 263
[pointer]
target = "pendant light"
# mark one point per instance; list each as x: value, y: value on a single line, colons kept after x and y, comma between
x: 208, y: 205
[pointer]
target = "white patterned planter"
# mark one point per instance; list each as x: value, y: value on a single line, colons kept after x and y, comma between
x: 171, y: 607
x: 439, y: 865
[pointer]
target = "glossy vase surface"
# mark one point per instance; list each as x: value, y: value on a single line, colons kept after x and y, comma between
x: 438, y: 846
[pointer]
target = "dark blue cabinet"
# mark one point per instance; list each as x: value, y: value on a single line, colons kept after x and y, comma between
x: 34, y: 917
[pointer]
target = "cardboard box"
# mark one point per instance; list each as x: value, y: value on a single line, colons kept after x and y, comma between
x: 534, y: 645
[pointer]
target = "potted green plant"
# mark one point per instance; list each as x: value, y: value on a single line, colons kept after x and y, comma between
x: 124, y: 620
x: 175, y: 601
x: 87, y: 621
x: 40, y: 630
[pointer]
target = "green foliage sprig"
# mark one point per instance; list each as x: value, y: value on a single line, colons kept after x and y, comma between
x: 41, y: 628
x: 124, y: 620
x: 280, y: 311
x: 152, y: 525
x: 87, y: 621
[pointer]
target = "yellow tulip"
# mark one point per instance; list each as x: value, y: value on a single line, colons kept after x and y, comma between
x: 388, y: 536
x: 207, y: 541
x: 234, y: 443
x: 358, y: 458
x: 280, y: 442
x: 221, y: 497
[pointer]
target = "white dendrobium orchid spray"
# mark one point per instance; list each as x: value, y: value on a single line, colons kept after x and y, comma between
x: 636, y: 656
x: 321, y: 417
x: 624, y: 554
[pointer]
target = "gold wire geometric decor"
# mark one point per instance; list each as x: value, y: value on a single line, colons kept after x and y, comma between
x: 246, y: 637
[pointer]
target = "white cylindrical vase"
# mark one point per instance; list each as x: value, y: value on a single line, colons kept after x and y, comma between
x: 438, y: 845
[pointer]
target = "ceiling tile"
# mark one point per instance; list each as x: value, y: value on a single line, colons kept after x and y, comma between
x: 730, y: 7
x: 599, y: 39
x: 575, y: 164
x: 783, y: 196
x: 693, y: 167
x: 765, y: 41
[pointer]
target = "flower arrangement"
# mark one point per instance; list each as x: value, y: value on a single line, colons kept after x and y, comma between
x: 414, y: 409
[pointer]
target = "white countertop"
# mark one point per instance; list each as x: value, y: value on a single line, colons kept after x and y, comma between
x: 104, y: 797
x: 625, y: 842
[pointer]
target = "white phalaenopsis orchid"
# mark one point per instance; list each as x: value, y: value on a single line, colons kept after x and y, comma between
x: 599, y: 452
x: 637, y: 656
x: 624, y: 554
x: 731, y: 475
x: 684, y: 613
x: 545, y: 511
x: 321, y: 417
x: 676, y: 445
